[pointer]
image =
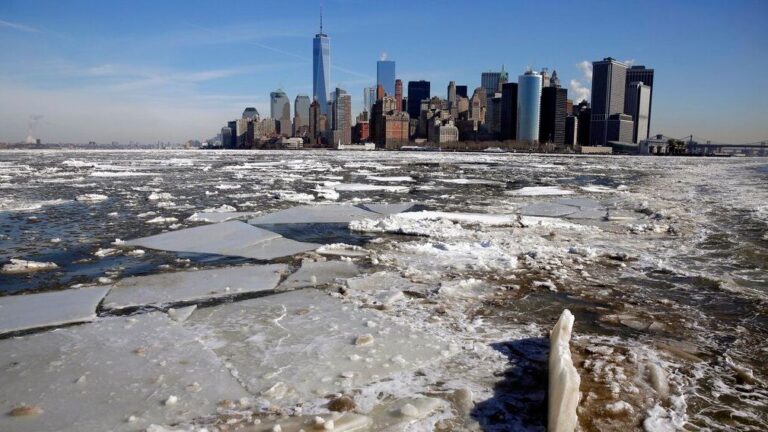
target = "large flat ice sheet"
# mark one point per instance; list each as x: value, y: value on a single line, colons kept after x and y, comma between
x: 329, y: 213
x: 168, y: 288
x: 313, y: 274
x: 304, y: 344
x: 227, y: 238
x: 388, y: 209
x: 24, y: 312
x: 115, y: 374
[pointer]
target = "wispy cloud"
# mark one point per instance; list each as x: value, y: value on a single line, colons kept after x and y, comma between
x: 18, y: 26
x: 579, y: 87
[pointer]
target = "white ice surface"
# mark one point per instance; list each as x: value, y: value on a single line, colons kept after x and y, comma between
x: 548, y: 209
x: 541, y: 191
x: 564, y: 380
x: 169, y: 288
x: 216, y: 217
x: 361, y: 187
x: 94, y: 377
x: 388, y: 209
x: 313, y: 274
x: 17, y: 266
x: 327, y: 213
x: 24, y: 312
x: 300, y: 345
x: 232, y: 238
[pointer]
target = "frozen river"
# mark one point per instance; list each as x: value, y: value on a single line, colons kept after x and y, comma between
x: 663, y: 262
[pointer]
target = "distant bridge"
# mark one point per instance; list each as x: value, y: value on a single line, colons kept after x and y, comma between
x: 701, y: 146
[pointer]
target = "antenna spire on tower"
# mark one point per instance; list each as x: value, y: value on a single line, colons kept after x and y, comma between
x: 321, y: 18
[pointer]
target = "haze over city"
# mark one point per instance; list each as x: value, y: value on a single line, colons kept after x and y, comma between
x: 173, y: 71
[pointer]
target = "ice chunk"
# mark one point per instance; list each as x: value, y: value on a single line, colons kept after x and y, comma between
x: 388, y: 209
x: 17, y: 266
x: 393, y: 179
x: 169, y: 288
x: 181, y: 314
x: 313, y: 274
x: 346, y: 422
x: 91, y: 197
x: 24, y: 312
x: 548, y: 209
x: 342, y: 249
x: 227, y: 238
x: 541, y: 191
x: 397, y: 415
x: 216, y: 217
x: 361, y: 187
x: 582, y: 203
x: 327, y: 213
x: 45, y: 370
x: 296, y: 345
x: 564, y: 380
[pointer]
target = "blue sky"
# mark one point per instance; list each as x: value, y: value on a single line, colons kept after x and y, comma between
x: 172, y: 70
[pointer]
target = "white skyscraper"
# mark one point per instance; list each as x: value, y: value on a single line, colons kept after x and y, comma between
x: 528, y: 106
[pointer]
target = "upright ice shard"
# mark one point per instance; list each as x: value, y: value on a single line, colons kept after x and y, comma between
x: 564, y: 380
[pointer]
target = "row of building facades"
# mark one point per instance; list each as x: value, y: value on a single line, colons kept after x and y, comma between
x: 535, y: 110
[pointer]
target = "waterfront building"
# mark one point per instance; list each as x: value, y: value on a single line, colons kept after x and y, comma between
x: 552, y: 115
x: 342, y: 117
x: 369, y: 97
x: 637, y: 104
x: 528, y: 106
x: 571, y: 130
x: 491, y: 82
x: 399, y: 95
x: 321, y: 67
x: 385, y: 76
x: 508, y: 111
x: 232, y: 125
x: 417, y: 92
x: 608, y: 87
x: 226, y: 137
x: 639, y: 73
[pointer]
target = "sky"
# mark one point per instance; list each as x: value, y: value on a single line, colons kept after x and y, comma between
x: 148, y: 71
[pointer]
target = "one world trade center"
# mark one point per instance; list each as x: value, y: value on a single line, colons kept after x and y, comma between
x: 321, y: 68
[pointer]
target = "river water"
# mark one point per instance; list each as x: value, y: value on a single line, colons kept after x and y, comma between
x: 670, y: 290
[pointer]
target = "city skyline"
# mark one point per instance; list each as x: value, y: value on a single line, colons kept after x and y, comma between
x: 175, y: 92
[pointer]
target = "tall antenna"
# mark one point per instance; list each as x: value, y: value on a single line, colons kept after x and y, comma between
x: 321, y: 18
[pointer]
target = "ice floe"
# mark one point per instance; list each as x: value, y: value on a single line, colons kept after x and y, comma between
x: 18, y: 266
x: 178, y: 287
x: 361, y: 187
x: 227, y: 238
x: 564, y: 380
x: 305, y: 344
x: 324, y: 213
x: 115, y: 374
x: 315, y: 274
x: 541, y: 191
x: 30, y: 311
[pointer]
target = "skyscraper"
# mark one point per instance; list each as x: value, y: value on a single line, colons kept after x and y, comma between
x: 552, y: 115
x: 461, y: 90
x: 399, y: 95
x: 608, y: 87
x: 280, y: 110
x: 300, y: 112
x: 492, y: 81
x: 321, y: 67
x: 644, y: 75
x: 369, y: 97
x: 417, y: 91
x: 528, y: 105
x: 385, y: 76
x: 342, y: 118
x: 250, y: 113
x: 509, y: 111
x: 637, y: 103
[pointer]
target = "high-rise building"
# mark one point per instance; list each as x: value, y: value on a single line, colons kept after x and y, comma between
x: 552, y: 115
x: 452, y: 94
x: 491, y: 81
x: 545, y: 80
x: 509, y: 111
x: 584, y: 116
x: 300, y: 112
x: 226, y: 137
x: 385, y: 76
x: 369, y: 97
x: 417, y: 92
x: 528, y: 106
x: 478, y: 105
x: 571, y: 130
x: 399, y: 94
x: 637, y: 104
x: 316, y: 129
x: 554, y: 81
x: 277, y: 100
x: 644, y: 75
x: 250, y: 113
x: 321, y: 67
x: 342, y: 117
x: 461, y: 90
x: 232, y: 125
x: 608, y: 87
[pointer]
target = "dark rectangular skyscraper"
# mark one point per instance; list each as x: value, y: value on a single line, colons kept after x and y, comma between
x: 509, y: 111
x: 644, y: 75
x: 553, y: 113
x: 609, y: 79
x: 461, y: 90
x: 417, y: 91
